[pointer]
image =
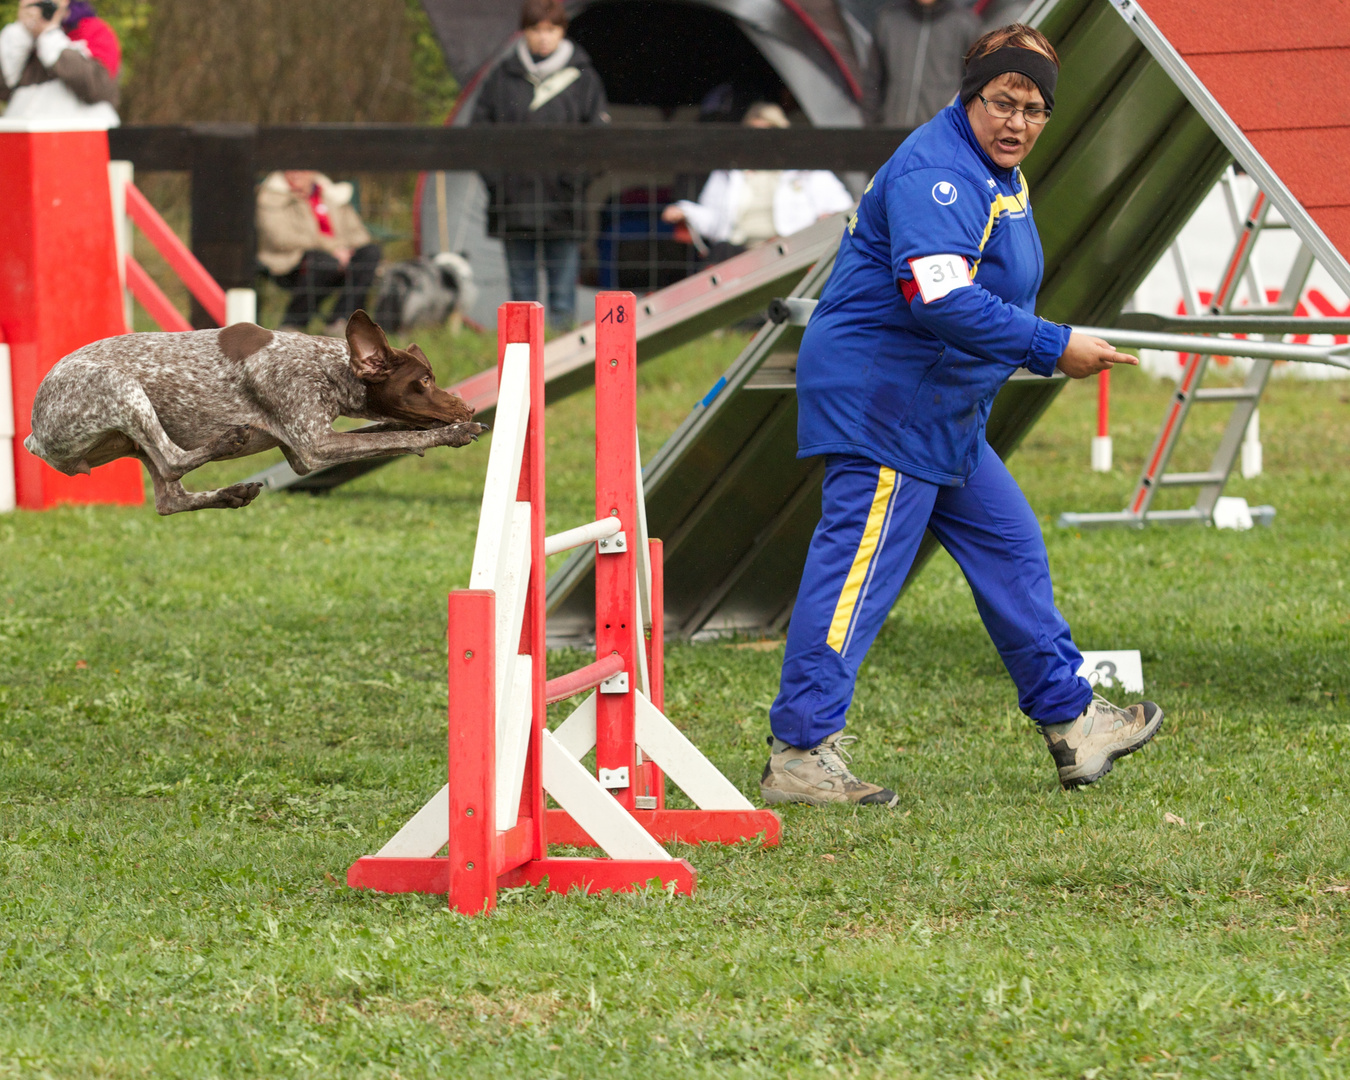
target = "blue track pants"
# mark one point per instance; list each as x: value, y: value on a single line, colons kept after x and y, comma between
x: 871, y: 523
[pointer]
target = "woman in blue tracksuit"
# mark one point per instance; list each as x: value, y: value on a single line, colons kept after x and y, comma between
x: 929, y: 309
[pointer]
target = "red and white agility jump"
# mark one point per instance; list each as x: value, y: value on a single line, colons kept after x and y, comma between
x: 502, y: 758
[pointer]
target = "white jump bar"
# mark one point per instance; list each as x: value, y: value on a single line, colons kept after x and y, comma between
x: 796, y: 311
x: 1336, y: 356
x: 582, y: 534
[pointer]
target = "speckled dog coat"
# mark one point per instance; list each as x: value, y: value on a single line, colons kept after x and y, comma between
x: 177, y: 401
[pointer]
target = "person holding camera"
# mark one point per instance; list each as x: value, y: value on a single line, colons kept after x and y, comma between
x: 59, y: 61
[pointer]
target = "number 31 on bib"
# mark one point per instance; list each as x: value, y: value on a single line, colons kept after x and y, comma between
x: 937, y: 275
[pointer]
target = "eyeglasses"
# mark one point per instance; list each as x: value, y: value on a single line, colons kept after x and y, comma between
x: 1001, y: 110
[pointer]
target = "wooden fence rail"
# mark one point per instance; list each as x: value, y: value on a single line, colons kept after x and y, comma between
x: 225, y: 161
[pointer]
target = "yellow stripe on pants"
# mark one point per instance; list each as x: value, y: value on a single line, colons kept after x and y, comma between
x: 857, y: 573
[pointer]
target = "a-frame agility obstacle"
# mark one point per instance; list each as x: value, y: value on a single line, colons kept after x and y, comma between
x: 492, y: 816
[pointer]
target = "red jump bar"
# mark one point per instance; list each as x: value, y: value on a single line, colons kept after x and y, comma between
x: 194, y: 275
x: 586, y: 678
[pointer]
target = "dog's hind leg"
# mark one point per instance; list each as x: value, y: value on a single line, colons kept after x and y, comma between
x: 172, y: 498
x: 143, y: 426
x: 124, y: 407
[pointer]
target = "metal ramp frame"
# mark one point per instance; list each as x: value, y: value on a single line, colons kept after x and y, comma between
x: 1258, y: 317
x: 1245, y: 399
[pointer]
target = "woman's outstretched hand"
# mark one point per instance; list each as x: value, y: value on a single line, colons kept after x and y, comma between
x: 1086, y: 355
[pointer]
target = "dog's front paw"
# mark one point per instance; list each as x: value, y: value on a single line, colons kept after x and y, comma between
x: 238, y: 495
x: 463, y: 434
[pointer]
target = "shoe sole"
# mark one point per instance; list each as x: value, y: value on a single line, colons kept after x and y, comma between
x: 773, y: 797
x: 1113, y: 755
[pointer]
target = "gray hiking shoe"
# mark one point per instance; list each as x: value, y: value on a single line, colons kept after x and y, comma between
x: 818, y: 775
x: 1085, y: 747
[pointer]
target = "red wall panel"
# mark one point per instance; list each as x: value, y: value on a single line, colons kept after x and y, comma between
x: 1307, y: 161
x: 1279, y: 89
x: 1203, y: 26
x: 1335, y: 222
x: 1279, y: 72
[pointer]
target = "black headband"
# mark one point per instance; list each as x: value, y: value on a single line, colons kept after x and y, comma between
x: 1037, y: 67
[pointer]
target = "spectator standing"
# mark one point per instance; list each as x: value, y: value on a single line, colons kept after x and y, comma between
x: 917, y: 59
x: 739, y: 208
x: 312, y: 241
x: 546, y: 79
x: 996, y: 13
x: 60, y: 61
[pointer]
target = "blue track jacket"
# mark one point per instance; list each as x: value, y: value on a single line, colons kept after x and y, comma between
x: 928, y: 310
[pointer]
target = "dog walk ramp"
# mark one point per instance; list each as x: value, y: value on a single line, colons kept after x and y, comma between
x: 666, y: 319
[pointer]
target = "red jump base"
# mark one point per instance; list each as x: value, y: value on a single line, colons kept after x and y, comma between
x: 557, y: 875
x: 681, y: 826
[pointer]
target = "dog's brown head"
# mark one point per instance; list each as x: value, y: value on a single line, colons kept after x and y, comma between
x: 399, y: 382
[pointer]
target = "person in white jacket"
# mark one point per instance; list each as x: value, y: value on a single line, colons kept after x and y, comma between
x: 59, y: 63
x: 739, y: 208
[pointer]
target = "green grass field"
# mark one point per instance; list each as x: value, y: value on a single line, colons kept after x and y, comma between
x: 204, y: 719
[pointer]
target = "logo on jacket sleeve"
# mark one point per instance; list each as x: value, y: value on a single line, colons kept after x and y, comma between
x: 944, y: 193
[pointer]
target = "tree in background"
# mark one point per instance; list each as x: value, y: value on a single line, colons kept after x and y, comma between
x: 283, y: 61
x: 275, y: 63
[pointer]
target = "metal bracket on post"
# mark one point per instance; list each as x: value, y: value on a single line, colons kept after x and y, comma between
x: 612, y: 545
x: 614, y: 779
x: 615, y: 684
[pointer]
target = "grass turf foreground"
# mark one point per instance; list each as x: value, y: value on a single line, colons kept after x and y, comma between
x: 204, y: 719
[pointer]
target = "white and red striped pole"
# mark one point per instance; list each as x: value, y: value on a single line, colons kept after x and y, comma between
x: 7, y: 492
x: 1101, y: 442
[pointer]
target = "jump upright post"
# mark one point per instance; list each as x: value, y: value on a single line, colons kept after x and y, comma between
x: 59, y: 290
x: 491, y: 815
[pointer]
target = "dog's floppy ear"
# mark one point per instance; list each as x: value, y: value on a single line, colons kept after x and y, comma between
x: 416, y: 350
x: 372, y: 359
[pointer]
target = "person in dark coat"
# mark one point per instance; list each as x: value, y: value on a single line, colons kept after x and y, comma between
x: 917, y: 59
x: 546, y: 79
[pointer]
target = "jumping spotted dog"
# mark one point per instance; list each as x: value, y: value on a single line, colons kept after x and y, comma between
x: 177, y: 401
